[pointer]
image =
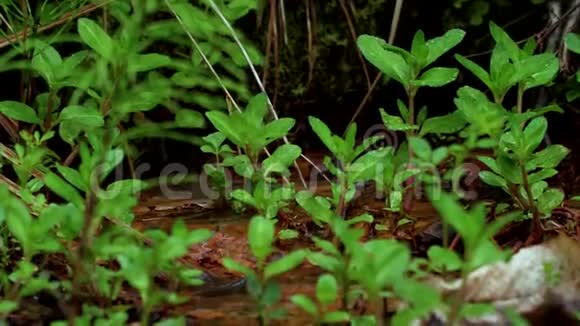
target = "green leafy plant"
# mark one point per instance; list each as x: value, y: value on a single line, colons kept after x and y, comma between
x: 410, y: 70
x: 326, y: 294
x: 355, y: 163
x: 517, y: 167
x: 479, y: 248
x: 261, y: 282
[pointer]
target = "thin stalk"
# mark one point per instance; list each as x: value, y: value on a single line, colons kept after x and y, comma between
x: 408, y: 202
x: 520, y: 100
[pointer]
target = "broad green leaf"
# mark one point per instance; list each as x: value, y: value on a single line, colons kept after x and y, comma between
x: 45, y: 60
x: 285, y: 264
x: 439, y: 155
x: 73, y: 176
x: 476, y: 70
x: 223, y: 124
x: 326, y: 289
x: 539, y: 70
x: 241, y: 164
x: 503, y: 39
x: 62, y: 189
x: 146, y: 62
x: 368, y: 166
x: 189, y: 119
x: 421, y: 148
x: 281, y: 159
x: 549, y: 157
x: 233, y: 265
x: 318, y: 208
x: 304, y: 303
x: 534, y: 134
x: 84, y: 117
x: 244, y: 197
x: 573, y: 42
x: 261, y: 237
x: 334, y: 317
x: 391, y: 64
x: 468, y: 225
x: 395, y: 123
x: 437, y: 77
x: 256, y: 109
x: 19, y: 111
x: 493, y: 179
x: 442, y: 44
x: 419, y: 48
x: 446, y: 124
x: 549, y: 200
x: 96, y: 38
x: 541, y: 175
x: 444, y: 259
x: 323, y: 133
x: 509, y: 169
x: 275, y: 130
x: 538, y: 188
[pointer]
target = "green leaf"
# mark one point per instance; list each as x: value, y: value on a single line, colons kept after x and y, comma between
x: 395, y: 123
x: 63, y: 189
x: 45, y: 60
x: 85, y: 117
x: 509, y: 169
x: 326, y: 289
x: 421, y: 148
x: 323, y: 133
x: 96, y: 38
x: 549, y: 157
x: 468, y: 225
x: 288, y: 234
x: 419, y: 48
x: 275, y: 130
x: 243, y: 196
x: 573, y: 42
x: 503, y: 39
x: 223, y: 124
x: 73, y: 176
x: 233, y: 265
x: 285, y: 264
x: 317, y: 207
x: 333, y: 317
x: 189, y: 119
x: 493, y: 179
x: 542, y: 175
x: 304, y: 303
x: 440, y: 45
x: 19, y: 111
x: 446, y: 124
x: 549, y: 200
x: 444, y: 259
x: 539, y: 69
x: 437, y: 77
x: 281, y: 159
x: 257, y: 109
x: 534, y: 134
x: 476, y: 70
x: 146, y: 62
x: 391, y: 64
x: 261, y: 237
x: 366, y: 167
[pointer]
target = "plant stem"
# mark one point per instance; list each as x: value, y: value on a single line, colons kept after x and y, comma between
x: 408, y: 200
x: 378, y: 310
x: 530, y: 202
x: 520, y: 100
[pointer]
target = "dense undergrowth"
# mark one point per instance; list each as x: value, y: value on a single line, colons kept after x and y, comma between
x: 83, y: 108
